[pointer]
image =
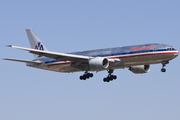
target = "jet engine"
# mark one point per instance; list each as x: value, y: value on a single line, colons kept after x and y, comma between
x: 98, y: 63
x: 140, y: 69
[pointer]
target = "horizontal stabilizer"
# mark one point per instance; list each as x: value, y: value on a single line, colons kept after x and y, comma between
x: 25, y: 61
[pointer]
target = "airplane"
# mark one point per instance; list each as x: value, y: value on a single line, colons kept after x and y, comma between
x: 137, y: 58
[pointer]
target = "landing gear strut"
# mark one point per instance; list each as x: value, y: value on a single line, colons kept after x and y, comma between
x: 163, y: 65
x: 110, y: 77
x: 86, y: 76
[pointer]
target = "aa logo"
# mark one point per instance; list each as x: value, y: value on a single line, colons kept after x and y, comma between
x: 39, y: 46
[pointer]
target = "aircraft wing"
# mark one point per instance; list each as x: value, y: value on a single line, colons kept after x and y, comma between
x: 55, y: 55
x: 25, y: 61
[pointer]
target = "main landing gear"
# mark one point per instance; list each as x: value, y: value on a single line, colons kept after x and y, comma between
x: 86, y: 76
x: 110, y: 77
x: 163, y: 65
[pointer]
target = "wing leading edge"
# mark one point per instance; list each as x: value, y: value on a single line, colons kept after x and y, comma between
x: 55, y: 55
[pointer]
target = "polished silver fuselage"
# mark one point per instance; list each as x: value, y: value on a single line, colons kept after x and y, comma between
x: 124, y: 57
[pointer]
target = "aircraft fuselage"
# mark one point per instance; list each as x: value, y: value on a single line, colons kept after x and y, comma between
x: 127, y: 56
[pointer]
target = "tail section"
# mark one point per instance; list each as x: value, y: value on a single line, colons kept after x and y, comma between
x: 35, y: 42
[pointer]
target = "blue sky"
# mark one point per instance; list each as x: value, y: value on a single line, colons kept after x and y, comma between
x: 63, y: 26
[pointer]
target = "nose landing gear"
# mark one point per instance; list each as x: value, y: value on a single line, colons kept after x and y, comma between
x: 163, y: 65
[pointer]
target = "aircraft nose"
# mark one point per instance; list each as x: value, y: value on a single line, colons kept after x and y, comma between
x: 176, y: 53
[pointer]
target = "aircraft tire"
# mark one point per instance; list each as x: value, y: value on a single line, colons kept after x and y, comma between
x: 87, y: 76
x: 81, y: 77
x: 111, y: 77
x: 91, y: 75
x: 114, y: 77
x: 105, y: 79
x: 163, y: 70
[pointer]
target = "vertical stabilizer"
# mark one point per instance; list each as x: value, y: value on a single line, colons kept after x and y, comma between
x: 35, y: 42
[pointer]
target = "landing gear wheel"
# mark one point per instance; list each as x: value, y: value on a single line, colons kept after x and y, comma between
x: 110, y: 77
x: 91, y: 75
x: 86, y: 76
x: 114, y: 77
x: 105, y: 79
x: 163, y: 70
x: 81, y: 77
x: 163, y: 65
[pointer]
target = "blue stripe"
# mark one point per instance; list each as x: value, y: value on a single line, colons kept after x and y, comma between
x: 130, y: 53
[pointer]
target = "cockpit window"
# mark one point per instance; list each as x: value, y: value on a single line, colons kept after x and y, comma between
x: 170, y: 49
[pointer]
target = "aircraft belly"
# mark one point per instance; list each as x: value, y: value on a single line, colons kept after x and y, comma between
x: 116, y: 65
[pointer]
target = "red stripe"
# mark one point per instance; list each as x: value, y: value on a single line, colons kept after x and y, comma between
x: 145, y: 55
x: 122, y: 57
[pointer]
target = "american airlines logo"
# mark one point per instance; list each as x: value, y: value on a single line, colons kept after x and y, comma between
x: 142, y: 48
x: 39, y: 46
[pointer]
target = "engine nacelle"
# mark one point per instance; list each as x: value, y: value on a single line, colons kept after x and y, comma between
x: 98, y: 63
x: 140, y: 69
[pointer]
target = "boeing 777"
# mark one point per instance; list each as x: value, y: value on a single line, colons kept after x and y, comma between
x: 137, y: 58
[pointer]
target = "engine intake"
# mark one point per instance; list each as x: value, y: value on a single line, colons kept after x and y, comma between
x: 98, y: 63
x: 140, y: 69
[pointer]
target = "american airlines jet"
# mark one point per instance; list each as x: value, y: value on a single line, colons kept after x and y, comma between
x: 137, y: 58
